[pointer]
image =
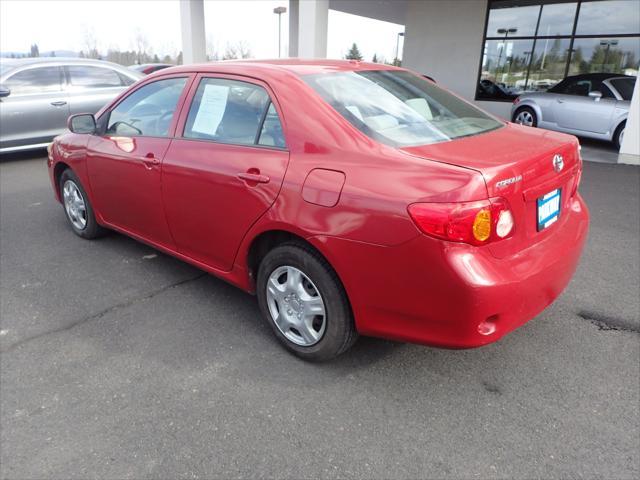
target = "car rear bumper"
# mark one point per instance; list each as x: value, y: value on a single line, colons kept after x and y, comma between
x: 455, y: 295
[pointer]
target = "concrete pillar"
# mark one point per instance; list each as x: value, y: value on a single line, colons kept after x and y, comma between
x: 193, y: 37
x: 313, y: 22
x: 294, y: 15
x: 630, y: 148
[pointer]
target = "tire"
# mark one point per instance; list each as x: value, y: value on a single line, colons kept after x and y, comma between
x: 618, y: 135
x: 296, y: 273
x: 77, y: 208
x: 525, y: 116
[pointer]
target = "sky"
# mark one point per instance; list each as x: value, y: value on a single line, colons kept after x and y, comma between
x: 65, y: 24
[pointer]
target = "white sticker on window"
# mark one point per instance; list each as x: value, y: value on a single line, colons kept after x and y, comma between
x: 212, y: 106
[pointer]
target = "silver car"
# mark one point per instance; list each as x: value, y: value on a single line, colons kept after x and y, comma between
x: 37, y: 95
x: 592, y: 105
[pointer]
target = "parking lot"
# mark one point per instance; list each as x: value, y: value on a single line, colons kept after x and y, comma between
x: 118, y: 361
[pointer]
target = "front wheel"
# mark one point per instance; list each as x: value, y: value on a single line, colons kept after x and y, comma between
x: 77, y: 207
x: 526, y: 116
x: 618, y: 136
x: 303, y: 300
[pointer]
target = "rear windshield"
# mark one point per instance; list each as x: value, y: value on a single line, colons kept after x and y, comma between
x: 398, y: 108
x: 624, y: 86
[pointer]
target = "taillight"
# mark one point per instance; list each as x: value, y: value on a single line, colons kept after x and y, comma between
x: 477, y: 223
x: 516, y: 100
x: 578, y: 176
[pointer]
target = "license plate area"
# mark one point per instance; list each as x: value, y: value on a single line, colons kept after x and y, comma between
x: 548, y: 209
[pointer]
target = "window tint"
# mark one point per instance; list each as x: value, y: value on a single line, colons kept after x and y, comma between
x: 271, y: 133
x: 35, y: 80
x: 147, y: 111
x: 86, y: 76
x: 557, y: 19
x: 624, y: 86
x: 605, y: 55
x: 606, y: 92
x: 518, y: 21
x: 227, y: 111
x: 609, y: 17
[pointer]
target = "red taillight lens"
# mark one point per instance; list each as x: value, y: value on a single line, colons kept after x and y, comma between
x: 477, y: 223
x: 516, y: 100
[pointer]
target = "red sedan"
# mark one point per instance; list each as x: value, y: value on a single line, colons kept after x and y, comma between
x: 351, y: 198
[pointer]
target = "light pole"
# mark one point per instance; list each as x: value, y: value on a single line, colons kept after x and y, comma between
x: 279, y: 11
x: 505, y: 32
x: 607, y: 43
x: 400, y: 34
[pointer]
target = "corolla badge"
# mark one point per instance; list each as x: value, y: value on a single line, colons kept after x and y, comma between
x: 508, y: 181
x: 558, y: 162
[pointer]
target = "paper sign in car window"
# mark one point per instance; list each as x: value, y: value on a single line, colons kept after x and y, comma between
x: 212, y: 106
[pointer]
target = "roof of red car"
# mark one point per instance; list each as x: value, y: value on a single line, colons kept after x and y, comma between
x: 293, y: 65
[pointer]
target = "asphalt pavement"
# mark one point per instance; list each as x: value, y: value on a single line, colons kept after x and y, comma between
x: 118, y: 361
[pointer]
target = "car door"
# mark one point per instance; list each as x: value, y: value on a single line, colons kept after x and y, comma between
x: 225, y: 168
x: 576, y: 111
x: 124, y: 161
x: 36, y: 110
x: 91, y: 87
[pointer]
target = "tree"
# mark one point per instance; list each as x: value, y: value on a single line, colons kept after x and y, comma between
x: 238, y: 50
x: 354, y: 53
x: 396, y: 62
x: 34, y: 51
x: 375, y: 58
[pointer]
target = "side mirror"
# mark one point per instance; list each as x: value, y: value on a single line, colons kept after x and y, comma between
x: 82, y: 123
x: 4, y: 91
x: 596, y: 95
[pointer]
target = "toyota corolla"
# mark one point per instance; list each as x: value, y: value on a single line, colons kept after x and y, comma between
x: 351, y: 198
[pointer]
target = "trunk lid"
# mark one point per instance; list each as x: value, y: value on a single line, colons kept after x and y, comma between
x: 517, y: 164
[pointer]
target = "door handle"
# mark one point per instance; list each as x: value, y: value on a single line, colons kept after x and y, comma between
x: 59, y: 103
x: 560, y: 100
x: 253, y: 176
x: 150, y: 160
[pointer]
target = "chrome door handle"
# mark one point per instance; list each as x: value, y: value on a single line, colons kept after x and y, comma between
x: 253, y: 177
x: 59, y: 103
x: 560, y: 100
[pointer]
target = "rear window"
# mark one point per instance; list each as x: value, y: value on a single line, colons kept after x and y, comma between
x: 400, y: 109
x: 624, y: 86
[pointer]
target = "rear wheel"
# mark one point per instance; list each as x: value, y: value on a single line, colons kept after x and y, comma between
x: 526, y: 116
x: 618, y: 136
x: 77, y: 207
x: 303, y: 300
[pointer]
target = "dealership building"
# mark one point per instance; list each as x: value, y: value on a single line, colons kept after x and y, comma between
x: 487, y: 51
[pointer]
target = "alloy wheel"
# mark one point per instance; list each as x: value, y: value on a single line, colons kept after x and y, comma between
x: 525, y: 118
x: 74, y: 204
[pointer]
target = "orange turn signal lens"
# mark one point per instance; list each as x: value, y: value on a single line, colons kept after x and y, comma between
x: 482, y: 225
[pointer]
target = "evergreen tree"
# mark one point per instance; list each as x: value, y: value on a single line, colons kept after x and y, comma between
x: 375, y: 58
x: 354, y: 53
x: 34, y: 50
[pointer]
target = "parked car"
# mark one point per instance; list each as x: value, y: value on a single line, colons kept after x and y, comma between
x: 488, y: 90
x: 147, y: 68
x: 37, y: 95
x: 386, y: 206
x: 594, y: 105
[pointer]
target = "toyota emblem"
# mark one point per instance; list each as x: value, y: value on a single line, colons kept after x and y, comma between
x: 558, y: 162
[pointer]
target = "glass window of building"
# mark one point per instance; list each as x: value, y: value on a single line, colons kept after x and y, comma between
x: 531, y: 46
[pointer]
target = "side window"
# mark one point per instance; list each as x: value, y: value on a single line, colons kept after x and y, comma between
x: 581, y: 88
x: 87, y: 76
x: 271, y: 133
x: 35, y: 80
x: 606, y: 92
x: 147, y: 111
x: 230, y: 111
